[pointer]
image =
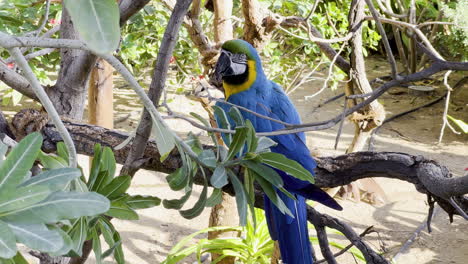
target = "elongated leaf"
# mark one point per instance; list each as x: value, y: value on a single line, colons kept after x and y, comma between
x: 236, y: 115
x: 61, y: 205
x: 219, y: 177
x: 95, y: 166
x: 62, y: 150
x: 164, y: 139
x: 215, y: 198
x: 208, y: 157
x: 291, y: 167
x: 264, y: 143
x: 241, y: 197
x: 266, y: 172
x: 108, y: 161
x: 102, y: 180
x: 143, y: 201
x: 37, y: 236
x: 238, y: 142
x: 96, y: 246
x: 197, y: 209
x: 19, y: 259
x: 122, y: 211
x: 67, y: 243
x: 78, y: 235
x: 97, y: 22
x: 16, y: 167
x: 117, y: 186
x: 462, y: 125
x: 223, y: 122
x: 20, y: 198
x: 7, y: 241
x: 118, y: 253
x: 252, y: 140
x: 178, y: 179
x: 52, y: 161
x: 177, y: 203
x: 55, y: 179
x: 271, y: 193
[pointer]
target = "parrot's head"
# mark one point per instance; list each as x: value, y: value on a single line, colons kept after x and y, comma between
x: 238, y: 66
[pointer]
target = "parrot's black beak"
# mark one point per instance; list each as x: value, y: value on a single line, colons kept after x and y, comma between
x: 229, y: 65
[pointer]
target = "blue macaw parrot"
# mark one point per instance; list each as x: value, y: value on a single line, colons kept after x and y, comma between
x: 239, y: 68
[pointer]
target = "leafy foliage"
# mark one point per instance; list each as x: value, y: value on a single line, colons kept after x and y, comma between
x: 32, y: 210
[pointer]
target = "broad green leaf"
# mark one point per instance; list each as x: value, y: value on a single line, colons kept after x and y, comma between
x: 241, y: 198
x: 7, y: 241
x: 462, y: 125
x: 19, y: 259
x: 215, y: 198
x: 272, y: 194
x: 16, y: 167
x: 118, y: 253
x: 111, y: 250
x: 236, y: 115
x: 164, y: 139
x: 118, y: 186
x: 97, y: 22
x: 67, y: 243
x: 219, y: 177
x: 238, y: 142
x: 208, y: 158
x: 223, y: 122
x: 177, y: 203
x: 95, y: 166
x: 108, y: 161
x: 122, y: 211
x: 55, y: 179
x: 37, y: 236
x: 107, y: 230
x: 264, y: 143
x: 178, y: 179
x: 78, y: 235
x: 291, y: 167
x: 194, y: 143
x: 61, y: 205
x: 266, y: 172
x: 143, y: 201
x: 51, y: 161
x: 17, y: 199
x: 96, y: 246
x: 197, y: 209
x: 252, y: 140
x: 62, y: 150
x: 102, y: 180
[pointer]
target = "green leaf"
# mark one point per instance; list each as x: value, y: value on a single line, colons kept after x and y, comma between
x: 143, y: 201
x: 164, y: 139
x: 241, y: 198
x: 17, y: 199
x: 19, y: 259
x: 264, y: 143
x: 15, y: 168
x: 118, y: 186
x: 177, y: 203
x: 95, y: 166
x: 108, y: 161
x: 208, y: 158
x: 102, y: 180
x: 62, y: 150
x: 56, y: 179
x: 120, y: 210
x: 252, y: 140
x: 61, y: 205
x: 67, y: 243
x: 7, y: 241
x: 219, y: 177
x: 96, y: 246
x: 271, y: 193
x: 118, y: 253
x: 51, y: 161
x: 37, y: 236
x: 265, y: 172
x: 462, y: 125
x: 78, y: 235
x: 238, y: 142
x: 291, y: 167
x: 223, y: 122
x: 215, y: 198
x: 236, y: 115
x: 197, y: 209
x: 97, y: 22
x: 178, y: 179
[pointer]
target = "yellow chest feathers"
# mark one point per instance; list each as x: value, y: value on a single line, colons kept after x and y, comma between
x: 230, y: 89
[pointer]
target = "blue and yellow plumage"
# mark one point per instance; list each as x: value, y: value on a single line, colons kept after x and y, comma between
x: 245, y: 84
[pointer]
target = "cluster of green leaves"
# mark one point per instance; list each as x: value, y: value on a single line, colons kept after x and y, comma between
x: 457, y: 40
x: 36, y: 211
x: 253, y: 246
x: 101, y: 180
x: 244, y: 149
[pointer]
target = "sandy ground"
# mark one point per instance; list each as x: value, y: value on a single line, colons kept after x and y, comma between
x: 149, y: 239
